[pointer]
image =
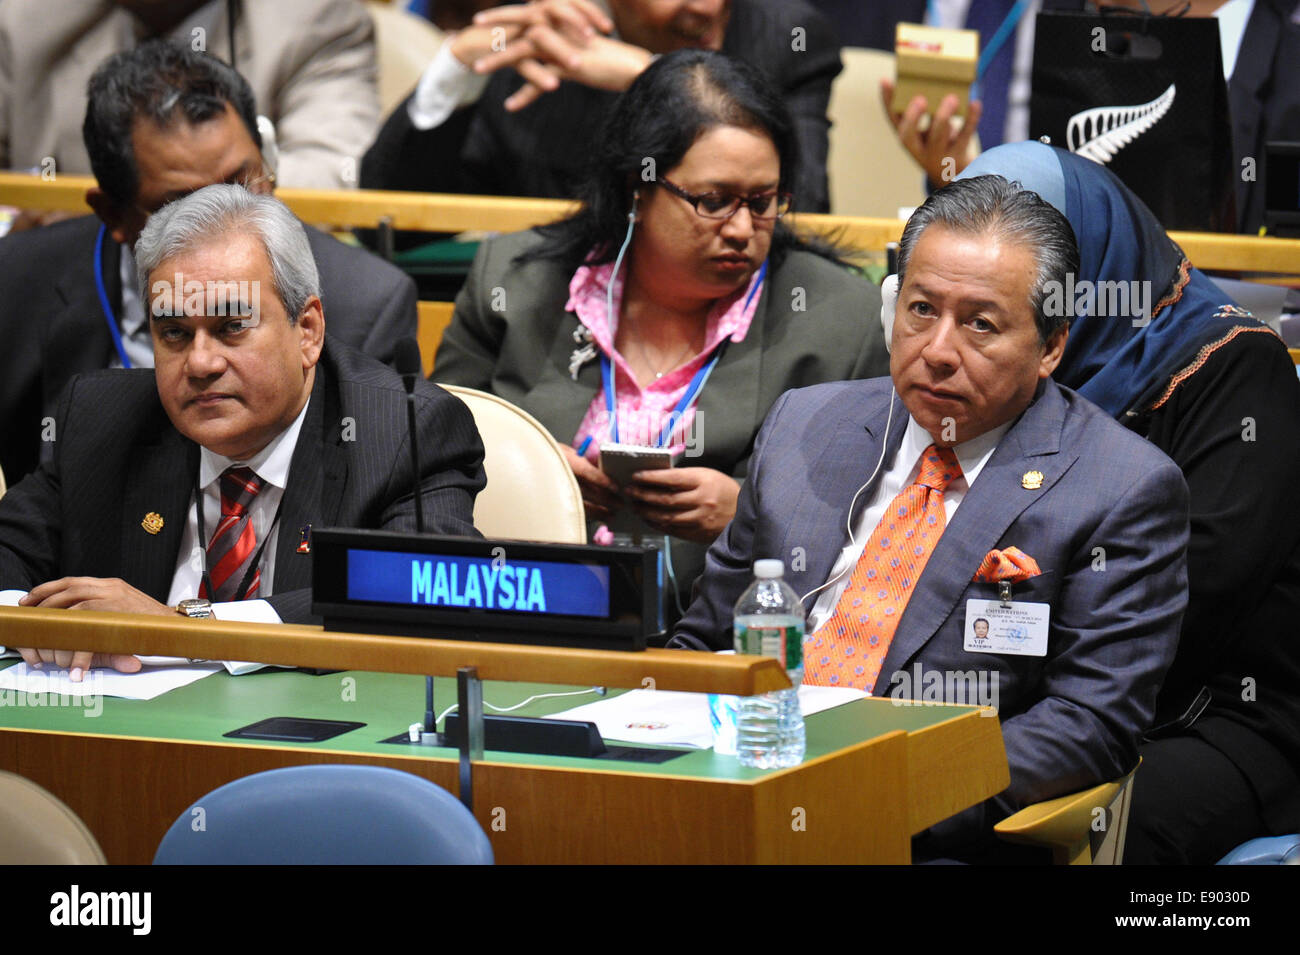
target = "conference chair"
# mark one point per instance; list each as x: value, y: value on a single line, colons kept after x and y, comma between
x: 404, y: 45
x: 326, y: 815
x: 1275, y: 850
x: 1084, y: 828
x: 531, y: 492
x: 871, y: 174
x: 433, y: 319
x: 2, y: 482
x: 36, y: 828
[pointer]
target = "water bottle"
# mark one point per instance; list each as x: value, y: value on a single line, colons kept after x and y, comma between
x: 769, y: 622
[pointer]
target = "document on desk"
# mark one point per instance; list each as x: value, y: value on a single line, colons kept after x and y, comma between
x: 669, y: 718
x: 150, y: 682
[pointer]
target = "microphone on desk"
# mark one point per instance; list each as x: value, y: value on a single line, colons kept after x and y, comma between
x: 406, y: 359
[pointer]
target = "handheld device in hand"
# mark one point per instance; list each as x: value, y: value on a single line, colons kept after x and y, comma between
x: 621, y: 461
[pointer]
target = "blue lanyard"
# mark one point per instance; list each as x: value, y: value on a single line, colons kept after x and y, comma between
x: 692, y: 390
x: 103, y: 298
x: 1004, y: 30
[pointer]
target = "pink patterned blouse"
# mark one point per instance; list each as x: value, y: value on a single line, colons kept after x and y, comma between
x: 643, y: 413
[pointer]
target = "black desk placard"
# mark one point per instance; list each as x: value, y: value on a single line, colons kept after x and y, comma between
x: 461, y: 588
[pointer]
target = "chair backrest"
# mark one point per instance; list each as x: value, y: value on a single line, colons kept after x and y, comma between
x: 433, y: 319
x: 871, y: 174
x: 1108, y: 845
x: 2, y: 482
x: 531, y: 492
x: 326, y: 815
x: 404, y: 45
x: 1082, y: 828
x: 36, y: 828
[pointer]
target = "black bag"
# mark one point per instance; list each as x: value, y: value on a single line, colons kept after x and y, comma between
x: 1145, y: 96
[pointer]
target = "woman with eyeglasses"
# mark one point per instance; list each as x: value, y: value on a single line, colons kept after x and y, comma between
x: 672, y: 310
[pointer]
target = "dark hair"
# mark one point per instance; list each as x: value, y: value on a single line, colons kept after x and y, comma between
x: 158, y: 80
x: 990, y: 204
x: 979, y: 620
x: 675, y: 100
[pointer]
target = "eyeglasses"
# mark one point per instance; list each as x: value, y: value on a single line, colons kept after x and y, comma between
x: 263, y: 185
x: 724, y: 205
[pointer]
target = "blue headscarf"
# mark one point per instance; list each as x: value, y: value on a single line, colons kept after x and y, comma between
x: 1122, y: 368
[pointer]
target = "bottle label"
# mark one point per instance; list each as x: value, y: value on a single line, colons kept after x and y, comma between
x: 784, y: 643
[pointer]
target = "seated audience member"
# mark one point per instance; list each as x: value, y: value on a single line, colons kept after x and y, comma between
x: 901, y: 507
x: 310, y: 63
x: 1216, y: 390
x: 161, y: 121
x: 1261, y: 64
x: 248, y: 410
x: 678, y: 280
x: 528, y: 131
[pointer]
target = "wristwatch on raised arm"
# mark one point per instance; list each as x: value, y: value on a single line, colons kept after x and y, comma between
x: 195, y: 607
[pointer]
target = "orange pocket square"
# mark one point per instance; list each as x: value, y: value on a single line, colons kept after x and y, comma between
x: 1012, y: 565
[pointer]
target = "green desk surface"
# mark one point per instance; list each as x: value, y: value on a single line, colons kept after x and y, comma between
x: 389, y: 703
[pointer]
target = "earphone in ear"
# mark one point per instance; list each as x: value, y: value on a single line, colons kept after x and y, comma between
x: 270, y: 147
x: 888, y: 301
x: 636, y: 197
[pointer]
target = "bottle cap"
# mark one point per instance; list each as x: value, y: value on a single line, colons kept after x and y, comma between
x: 768, y: 569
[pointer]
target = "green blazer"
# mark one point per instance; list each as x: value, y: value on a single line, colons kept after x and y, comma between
x: 511, y: 336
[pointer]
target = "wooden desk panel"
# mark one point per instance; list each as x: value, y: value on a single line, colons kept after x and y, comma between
x: 129, y: 791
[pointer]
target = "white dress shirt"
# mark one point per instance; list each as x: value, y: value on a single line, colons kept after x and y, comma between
x: 445, y: 85
x: 902, y: 471
x: 137, y: 337
x: 271, y: 464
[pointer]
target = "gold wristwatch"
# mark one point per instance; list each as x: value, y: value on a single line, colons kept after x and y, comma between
x: 195, y: 607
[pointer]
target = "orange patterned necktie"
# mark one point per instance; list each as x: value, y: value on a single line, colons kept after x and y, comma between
x: 849, y: 648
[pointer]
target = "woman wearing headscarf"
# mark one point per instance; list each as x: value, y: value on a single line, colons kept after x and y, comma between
x: 672, y: 309
x: 1156, y: 344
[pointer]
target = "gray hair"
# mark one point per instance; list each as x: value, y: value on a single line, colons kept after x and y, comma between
x: 984, y: 205
x: 218, y: 210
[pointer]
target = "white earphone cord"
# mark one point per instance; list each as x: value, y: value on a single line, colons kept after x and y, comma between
x: 848, y: 521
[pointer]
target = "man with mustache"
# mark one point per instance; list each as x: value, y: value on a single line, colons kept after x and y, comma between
x: 192, y: 488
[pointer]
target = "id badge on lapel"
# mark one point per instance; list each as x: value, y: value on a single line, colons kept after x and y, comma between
x: 1006, y: 626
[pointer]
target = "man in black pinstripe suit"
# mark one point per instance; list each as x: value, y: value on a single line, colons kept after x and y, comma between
x: 245, y: 391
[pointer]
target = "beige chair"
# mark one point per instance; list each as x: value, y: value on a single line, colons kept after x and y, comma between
x: 36, y: 828
x: 2, y: 482
x: 871, y: 174
x: 531, y: 493
x: 404, y: 45
x: 1085, y: 828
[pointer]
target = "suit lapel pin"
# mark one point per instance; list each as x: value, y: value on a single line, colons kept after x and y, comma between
x: 1032, y: 480
x: 152, y: 523
x: 304, y: 539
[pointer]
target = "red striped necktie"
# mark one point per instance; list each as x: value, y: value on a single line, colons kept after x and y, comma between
x: 850, y: 647
x: 233, y: 545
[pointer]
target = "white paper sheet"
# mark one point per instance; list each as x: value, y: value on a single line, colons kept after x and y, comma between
x: 668, y: 718
x: 150, y: 682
